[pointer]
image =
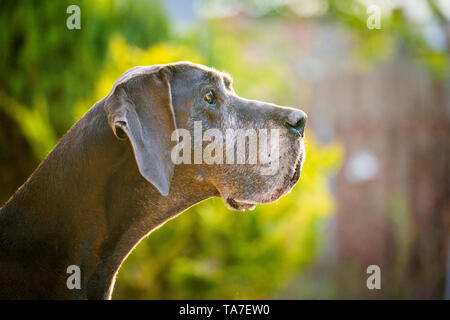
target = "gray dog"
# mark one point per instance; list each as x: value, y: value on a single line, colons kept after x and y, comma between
x: 111, y: 179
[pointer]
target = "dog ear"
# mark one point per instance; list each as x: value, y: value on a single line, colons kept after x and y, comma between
x: 140, y: 108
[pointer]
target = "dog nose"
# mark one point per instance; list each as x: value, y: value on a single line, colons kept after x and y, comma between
x: 297, y: 120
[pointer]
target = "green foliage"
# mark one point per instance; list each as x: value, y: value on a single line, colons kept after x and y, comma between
x: 40, y: 57
x: 34, y: 123
x: 396, y: 35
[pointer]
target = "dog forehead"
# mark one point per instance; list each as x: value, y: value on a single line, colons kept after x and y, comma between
x: 196, y: 72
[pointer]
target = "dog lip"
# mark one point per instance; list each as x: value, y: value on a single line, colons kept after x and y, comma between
x: 298, y: 131
x: 297, y: 172
x: 238, y: 205
x: 232, y: 203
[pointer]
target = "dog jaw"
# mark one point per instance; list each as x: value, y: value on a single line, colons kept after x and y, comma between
x: 285, y: 187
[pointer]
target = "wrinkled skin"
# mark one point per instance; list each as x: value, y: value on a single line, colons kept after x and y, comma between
x: 240, y: 185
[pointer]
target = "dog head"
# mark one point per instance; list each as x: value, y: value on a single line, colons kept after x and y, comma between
x: 251, y: 152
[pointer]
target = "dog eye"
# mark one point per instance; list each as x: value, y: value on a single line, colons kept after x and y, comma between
x: 210, y: 97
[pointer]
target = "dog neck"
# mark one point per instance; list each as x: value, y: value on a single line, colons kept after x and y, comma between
x: 85, y: 205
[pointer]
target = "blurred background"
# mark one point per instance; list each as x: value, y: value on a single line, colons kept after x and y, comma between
x: 375, y: 188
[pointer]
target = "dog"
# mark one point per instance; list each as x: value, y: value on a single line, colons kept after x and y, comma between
x: 111, y: 179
